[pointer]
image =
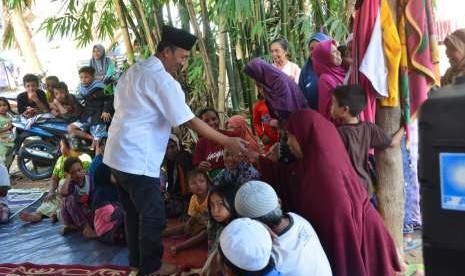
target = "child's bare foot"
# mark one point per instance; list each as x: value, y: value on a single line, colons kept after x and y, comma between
x: 68, y: 228
x: 30, y: 217
x: 166, y: 269
x: 88, y: 232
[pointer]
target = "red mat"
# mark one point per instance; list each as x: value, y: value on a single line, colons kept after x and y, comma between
x: 191, y: 258
x: 27, y: 269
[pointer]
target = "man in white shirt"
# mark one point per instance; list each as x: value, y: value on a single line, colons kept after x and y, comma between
x: 297, y: 251
x: 148, y: 104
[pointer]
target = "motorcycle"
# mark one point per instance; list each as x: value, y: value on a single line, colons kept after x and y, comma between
x: 37, y: 145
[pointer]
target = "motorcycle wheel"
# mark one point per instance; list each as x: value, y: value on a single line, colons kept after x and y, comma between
x: 33, y: 169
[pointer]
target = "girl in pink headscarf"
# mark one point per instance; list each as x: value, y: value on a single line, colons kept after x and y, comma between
x: 327, y: 66
x: 238, y: 124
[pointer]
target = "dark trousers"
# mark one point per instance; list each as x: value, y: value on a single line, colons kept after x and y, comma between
x: 144, y: 218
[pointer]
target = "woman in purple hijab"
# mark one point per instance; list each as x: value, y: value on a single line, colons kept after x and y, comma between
x: 286, y: 96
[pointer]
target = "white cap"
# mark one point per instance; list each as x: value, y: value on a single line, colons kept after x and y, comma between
x: 4, y: 176
x: 246, y: 243
x: 255, y: 199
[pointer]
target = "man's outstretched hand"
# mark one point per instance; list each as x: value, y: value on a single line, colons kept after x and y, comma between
x: 236, y: 145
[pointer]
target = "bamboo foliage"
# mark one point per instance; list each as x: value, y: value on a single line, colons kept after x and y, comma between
x: 232, y: 30
x: 211, y: 83
x: 17, y: 32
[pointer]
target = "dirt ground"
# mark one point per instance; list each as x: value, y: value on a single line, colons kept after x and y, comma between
x: 19, y: 181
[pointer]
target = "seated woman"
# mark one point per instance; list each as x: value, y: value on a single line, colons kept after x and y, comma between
x: 33, y: 101
x: 106, y: 207
x: 176, y: 166
x: 237, y: 171
x: 237, y: 124
x: 75, y: 192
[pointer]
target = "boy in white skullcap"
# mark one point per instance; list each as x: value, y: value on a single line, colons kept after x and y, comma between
x: 297, y: 251
x: 4, y: 187
x: 245, y: 249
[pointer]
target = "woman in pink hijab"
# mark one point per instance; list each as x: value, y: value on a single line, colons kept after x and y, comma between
x: 327, y: 66
x: 238, y: 124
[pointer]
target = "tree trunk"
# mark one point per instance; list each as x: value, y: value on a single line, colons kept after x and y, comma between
x: 390, y: 176
x: 211, y: 83
x: 124, y: 30
x: 390, y: 171
x: 23, y: 38
x: 148, y: 33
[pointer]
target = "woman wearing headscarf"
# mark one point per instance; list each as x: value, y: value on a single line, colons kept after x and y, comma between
x: 314, y: 177
x: 100, y: 62
x: 237, y: 124
x: 327, y: 66
x: 308, y: 81
x: 455, y: 51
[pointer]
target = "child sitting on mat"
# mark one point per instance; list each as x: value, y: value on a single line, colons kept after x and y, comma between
x: 76, y: 191
x: 196, y: 226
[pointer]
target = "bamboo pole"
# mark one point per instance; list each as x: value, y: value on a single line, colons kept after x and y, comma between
x: 157, y: 29
x: 211, y: 84
x: 221, y: 68
x: 148, y: 33
x: 124, y: 29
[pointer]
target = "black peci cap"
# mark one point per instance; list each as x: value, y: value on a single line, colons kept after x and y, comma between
x: 178, y: 37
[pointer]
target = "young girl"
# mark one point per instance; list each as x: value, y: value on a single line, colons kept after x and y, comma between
x: 221, y: 211
x: 196, y: 225
x: 64, y: 105
x: 7, y: 136
x: 237, y: 171
x: 76, y: 191
x: 208, y: 155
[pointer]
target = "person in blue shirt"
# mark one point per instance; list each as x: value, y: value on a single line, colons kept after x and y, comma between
x: 308, y: 80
